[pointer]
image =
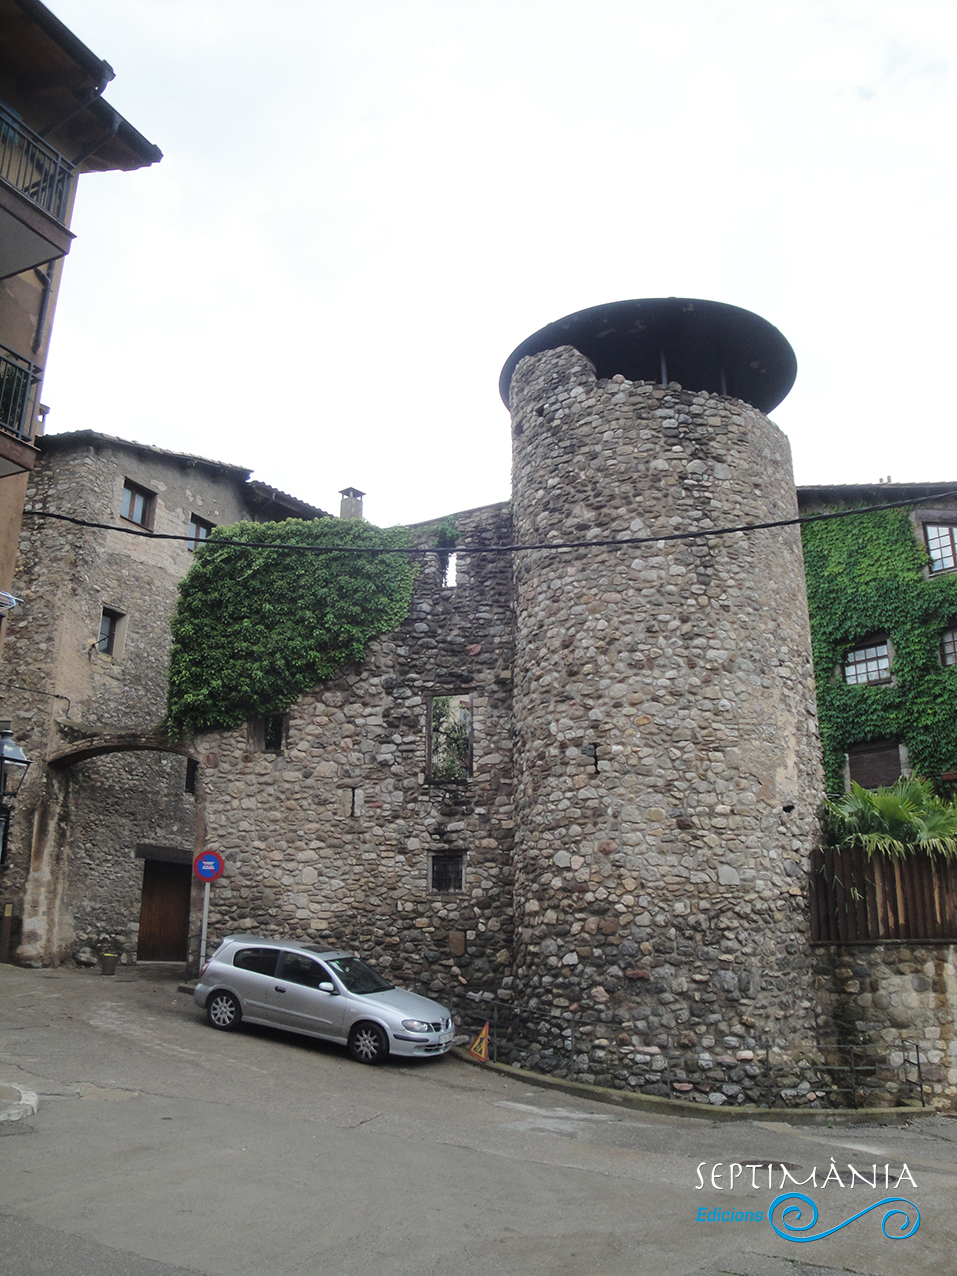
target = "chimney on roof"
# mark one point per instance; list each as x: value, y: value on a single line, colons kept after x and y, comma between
x: 351, y: 506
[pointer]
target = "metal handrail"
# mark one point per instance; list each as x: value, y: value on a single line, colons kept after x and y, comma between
x: 33, y: 167
x: 19, y: 394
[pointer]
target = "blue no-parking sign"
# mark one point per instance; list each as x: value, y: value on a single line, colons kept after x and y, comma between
x: 208, y: 866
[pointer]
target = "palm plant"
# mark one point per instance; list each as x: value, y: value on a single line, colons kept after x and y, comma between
x: 894, y: 821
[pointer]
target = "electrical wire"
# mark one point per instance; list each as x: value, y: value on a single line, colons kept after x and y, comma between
x: 615, y: 543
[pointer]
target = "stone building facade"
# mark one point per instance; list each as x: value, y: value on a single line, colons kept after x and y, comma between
x: 885, y: 630
x: 344, y: 834
x: 85, y: 677
x: 612, y: 855
x: 646, y: 781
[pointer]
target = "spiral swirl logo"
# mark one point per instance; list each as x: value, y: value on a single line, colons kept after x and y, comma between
x: 790, y: 1218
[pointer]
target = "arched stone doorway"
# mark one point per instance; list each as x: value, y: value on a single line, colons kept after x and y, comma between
x: 114, y: 836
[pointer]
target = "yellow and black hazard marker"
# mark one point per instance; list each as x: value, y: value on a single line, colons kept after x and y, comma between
x: 479, y: 1046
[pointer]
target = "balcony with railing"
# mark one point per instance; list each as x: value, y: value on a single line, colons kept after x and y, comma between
x: 19, y: 404
x: 35, y: 184
x: 34, y: 168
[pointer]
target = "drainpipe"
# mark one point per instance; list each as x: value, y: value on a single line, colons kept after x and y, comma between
x: 46, y: 278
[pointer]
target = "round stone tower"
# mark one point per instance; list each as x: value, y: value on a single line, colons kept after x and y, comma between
x: 669, y: 777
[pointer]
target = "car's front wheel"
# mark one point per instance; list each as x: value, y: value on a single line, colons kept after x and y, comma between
x: 368, y: 1043
x: 223, y: 1011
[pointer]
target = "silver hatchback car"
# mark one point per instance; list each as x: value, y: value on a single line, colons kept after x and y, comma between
x: 332, y: 995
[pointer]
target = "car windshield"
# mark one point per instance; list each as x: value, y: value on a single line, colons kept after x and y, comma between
x: 357, y: 976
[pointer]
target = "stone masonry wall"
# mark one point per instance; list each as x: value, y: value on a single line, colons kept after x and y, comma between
x: 115, y: 804
x: 646, y: 775
x: 330, y: 840
x: 898, y: 998
x: 665, y: 726
x: 66, y: 575
x: 62, y: 689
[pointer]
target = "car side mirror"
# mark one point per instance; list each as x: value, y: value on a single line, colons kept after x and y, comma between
x: 326, y: 986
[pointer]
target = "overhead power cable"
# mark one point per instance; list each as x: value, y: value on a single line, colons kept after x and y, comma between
x: 621, y: 542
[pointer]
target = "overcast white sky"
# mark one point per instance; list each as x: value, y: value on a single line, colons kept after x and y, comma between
x: 365, y: 205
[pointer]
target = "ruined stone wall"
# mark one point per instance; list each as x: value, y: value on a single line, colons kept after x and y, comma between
x: 669, y: 778
x: 330, y: 840
x: 897, y: 998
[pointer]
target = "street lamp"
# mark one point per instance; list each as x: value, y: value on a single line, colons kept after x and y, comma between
x: 13, y: 769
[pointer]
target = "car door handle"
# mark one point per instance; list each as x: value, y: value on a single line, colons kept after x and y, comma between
x: 278, y: 989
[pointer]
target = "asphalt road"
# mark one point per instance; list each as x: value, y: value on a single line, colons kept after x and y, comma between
x: 162, y: 1147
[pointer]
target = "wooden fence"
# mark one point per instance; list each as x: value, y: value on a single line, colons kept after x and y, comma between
x: 859, y: 900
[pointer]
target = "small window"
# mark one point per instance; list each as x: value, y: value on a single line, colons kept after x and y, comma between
x: 274, y: 732
x: 447, y: 871
x: 108, y: 643
x: 192, y: 770
x: 868, y: 664
x: 199, y: 529
x: 948, y: 647
x: 268, y: 733
x: 941, y: 545
x: 137, y: 504
x: 450, y: 739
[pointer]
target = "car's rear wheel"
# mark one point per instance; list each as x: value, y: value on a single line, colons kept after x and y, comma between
x: 223, y: 1011
x: 368, y: 1043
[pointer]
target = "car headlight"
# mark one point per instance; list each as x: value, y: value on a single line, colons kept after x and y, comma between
x: 416, y: 1025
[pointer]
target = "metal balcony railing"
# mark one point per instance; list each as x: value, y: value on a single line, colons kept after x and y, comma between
x: 19, y: 391
x: 33, y: 168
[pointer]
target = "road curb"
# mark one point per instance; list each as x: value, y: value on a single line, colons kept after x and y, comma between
x: 16, y: 1102
x: 698, y: 1111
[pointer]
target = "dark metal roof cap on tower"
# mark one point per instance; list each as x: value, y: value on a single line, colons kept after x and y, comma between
x: 703, y: 345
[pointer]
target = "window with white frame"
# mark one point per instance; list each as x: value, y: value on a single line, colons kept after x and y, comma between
x: 941, y: 545
x: 868, y: 664
x: 948, y: 647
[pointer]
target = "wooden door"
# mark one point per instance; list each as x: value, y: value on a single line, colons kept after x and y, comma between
x: 164, y: 913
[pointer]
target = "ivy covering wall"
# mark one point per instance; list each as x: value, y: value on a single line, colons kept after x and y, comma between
x: 254, y: 628
x: 866, y: 577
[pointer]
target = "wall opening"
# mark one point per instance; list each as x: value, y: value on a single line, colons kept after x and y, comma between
x: 450, y: 739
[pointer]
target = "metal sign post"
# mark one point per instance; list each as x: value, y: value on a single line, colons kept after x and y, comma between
x: 202, y: 938
x: 208, y: 866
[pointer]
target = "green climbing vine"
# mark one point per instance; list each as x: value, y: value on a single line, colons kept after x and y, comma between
x: 255, y: 628
x: 866, y: 577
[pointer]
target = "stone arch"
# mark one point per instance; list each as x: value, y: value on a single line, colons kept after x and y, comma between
x: 122, y: 742
x: 49, y: 935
